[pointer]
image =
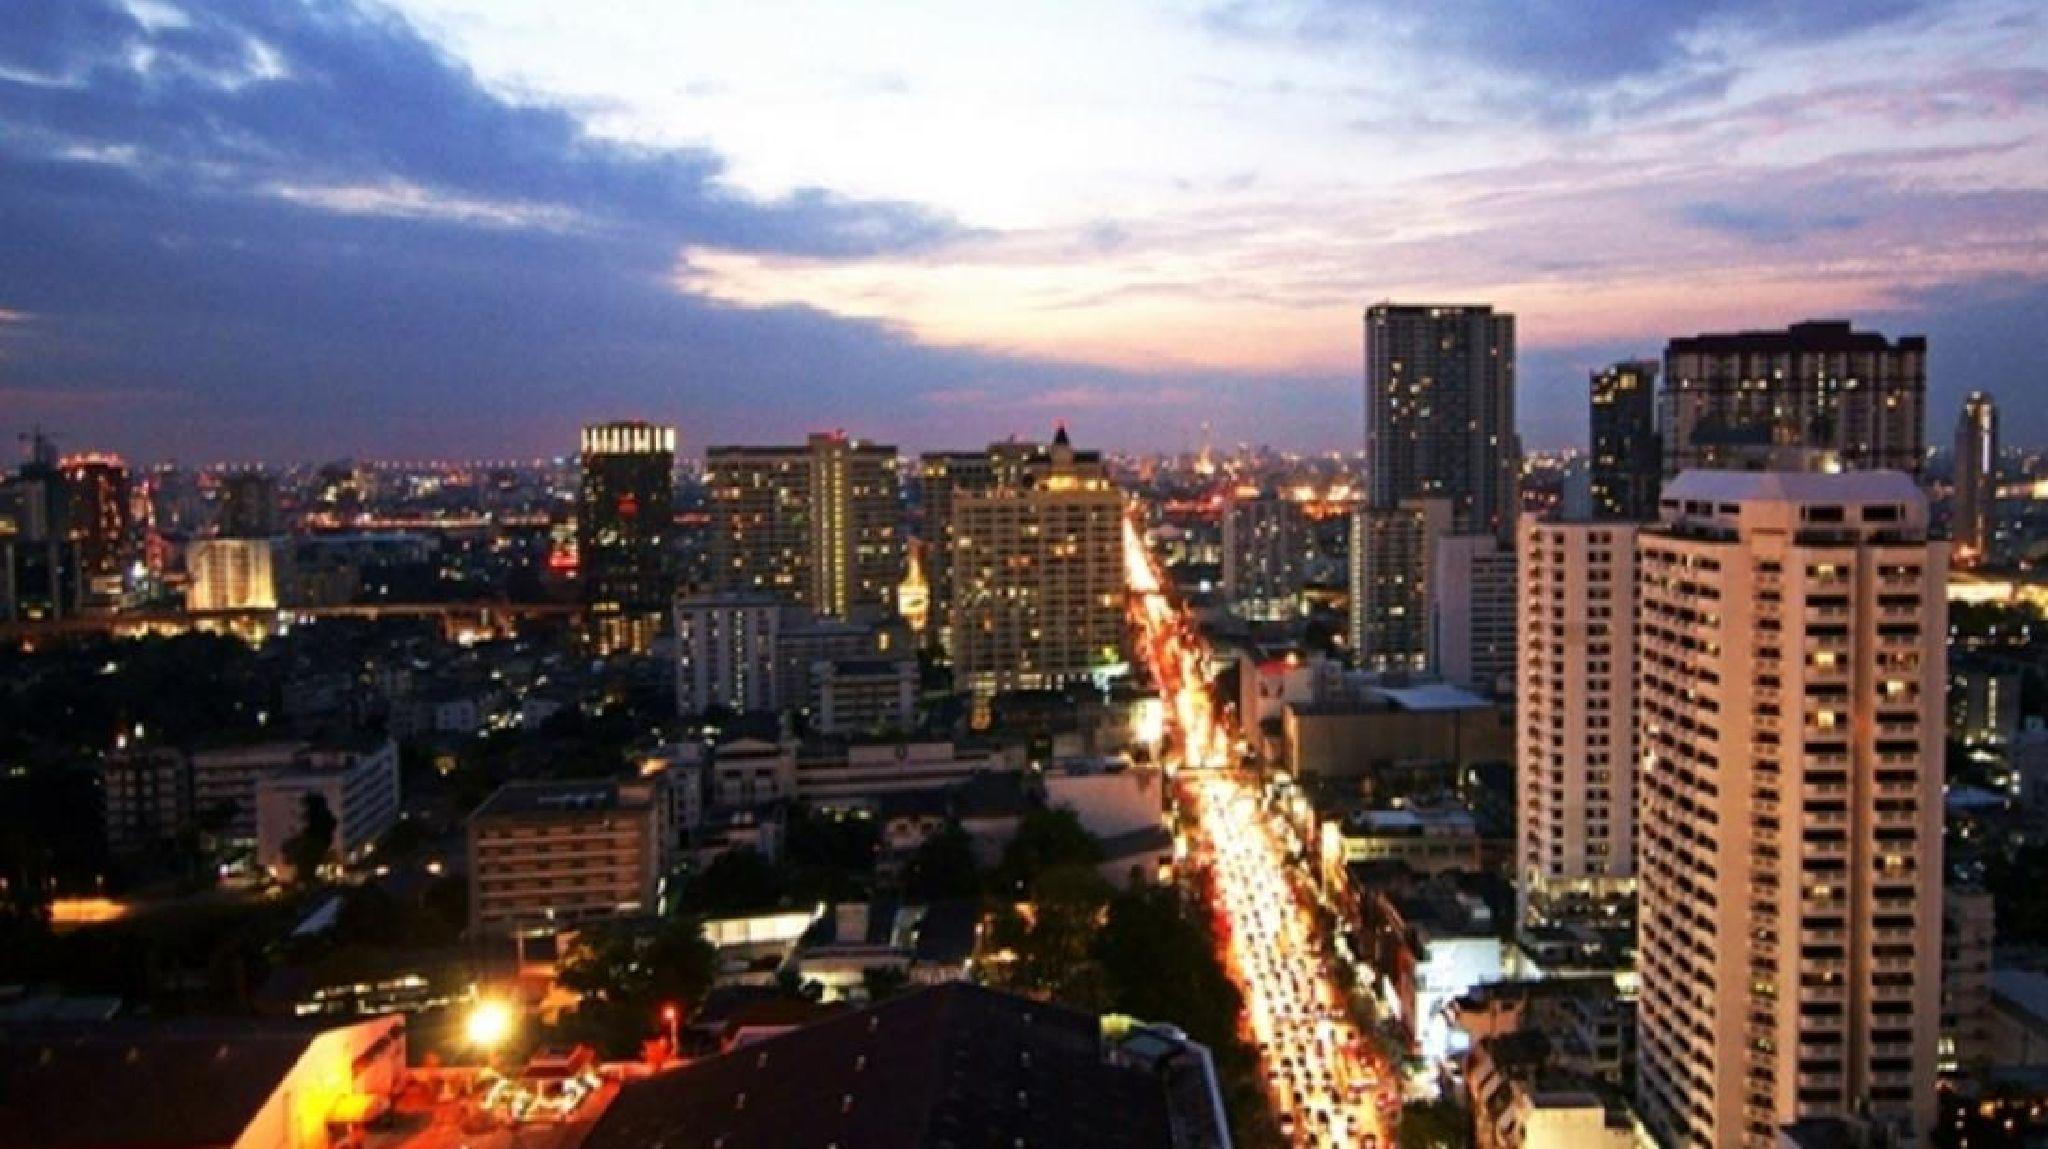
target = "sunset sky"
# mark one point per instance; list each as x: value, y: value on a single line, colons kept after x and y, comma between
x: 256, y: 228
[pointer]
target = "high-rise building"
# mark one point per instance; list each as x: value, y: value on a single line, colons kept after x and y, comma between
x: 1393, y: 554
x: 624, y: 517
x: 247, y: 507
x: 357, y: 784
x: 1471, y: 605
x: 1729, y: 399
x: 817, y: 525
x: 236, y: 574
x: 1440, y: 412
x: 1265, y: 555
x: 1038, y: 575
x: 1976, y: 518
x: 941, y: 476
x: 1575, y: 821
x: 725, y: 652
x: 97, y: 489
x: 1627, y: 465
x: 1791, y: 648
x: 38, y: 563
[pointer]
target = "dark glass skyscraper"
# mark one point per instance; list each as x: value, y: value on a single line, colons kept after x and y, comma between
x: 1974, y: 524
x: 1440, y: 412
x: 1627, y: 455
x: 625, y: 511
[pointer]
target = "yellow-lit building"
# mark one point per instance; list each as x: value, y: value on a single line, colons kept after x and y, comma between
x: 1038, y: 580
x: 816, y: 525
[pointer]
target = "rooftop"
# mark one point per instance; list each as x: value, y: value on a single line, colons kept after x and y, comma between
x: 178, y: 1083
x: 528, y: 798
x: 947, y: 1066
x: 1793, y: 487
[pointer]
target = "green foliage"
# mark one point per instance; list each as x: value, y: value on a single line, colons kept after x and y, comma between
x: 943, y: 867
x: 308, y: 849
x: 1435, y: 1125
x: 629, y: 975
x: 1046, y: 839
x: 738, y: 881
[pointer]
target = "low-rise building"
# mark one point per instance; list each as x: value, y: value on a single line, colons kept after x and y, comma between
x: 954, y: 1063
x: 147, y: 796
x: 833, y: 771
x: 864, y: 695
x: 224, y: 783
x: 1521, y: 1100
x: 556, y: 853
x: 191, y: 1084
x: 359, y: 787
x: 1427, y: 839
x: 1359, y: 731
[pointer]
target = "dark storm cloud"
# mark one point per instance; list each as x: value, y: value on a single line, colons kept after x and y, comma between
x: 283, y: 227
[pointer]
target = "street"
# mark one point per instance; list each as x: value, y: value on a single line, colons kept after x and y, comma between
x: 1325, y: 1083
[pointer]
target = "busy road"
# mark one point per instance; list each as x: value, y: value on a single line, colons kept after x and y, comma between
x: 1326, y: 1087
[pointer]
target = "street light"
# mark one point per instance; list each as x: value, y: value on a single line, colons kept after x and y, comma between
x: 488, y: 1025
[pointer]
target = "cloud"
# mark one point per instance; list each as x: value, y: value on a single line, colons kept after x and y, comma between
x: 1763, y: 225
x: 1570, y: 46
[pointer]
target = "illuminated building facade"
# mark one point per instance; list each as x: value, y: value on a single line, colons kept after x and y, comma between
x: 818, y: 526
x: 1266, y: 543
x: 97, y: 490
x: 1627, y: 464
x: 726, y: 646
x: 1440, y: 412
x: 1817, y: 385
x: 1393, y: 553
x: 543, y: 854
x: 1791, y: 647
x: 624, y: 516
x: 1038, y: 578
x: 235, y: 574
x: 1975, y: 526
x: 1575, y: 807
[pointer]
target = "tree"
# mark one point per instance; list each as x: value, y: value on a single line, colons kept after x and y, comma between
x: 1435, y: 1125
x: 1052, y: 937
x: 738, y: 881
x: 308, y: 849
x: 1045, y: 839
x: 943, y: 867
x: 628, y: 976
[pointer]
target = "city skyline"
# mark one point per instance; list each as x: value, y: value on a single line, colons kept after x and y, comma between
x: 451, y: 228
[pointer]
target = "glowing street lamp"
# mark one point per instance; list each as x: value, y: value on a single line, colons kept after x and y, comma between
x: 488, y: 1025
x: 671, y: 1015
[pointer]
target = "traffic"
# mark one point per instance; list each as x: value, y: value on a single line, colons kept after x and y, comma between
x: 1325, y: 1084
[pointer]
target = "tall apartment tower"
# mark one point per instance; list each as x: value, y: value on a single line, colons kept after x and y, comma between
x: 1575, y: 762
x: 1393, y: 554
x: 1440, y: 412
x: 248, y: 506
x: 1976, y: 479
x: 1627, y: 464
x: 624, y: 516
x: 1265, y: 555
x: 817, y: 525
x: 1038, y: 576
x: 98, y: 491
x: 1819, y: 385
x: 1791, y: 670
